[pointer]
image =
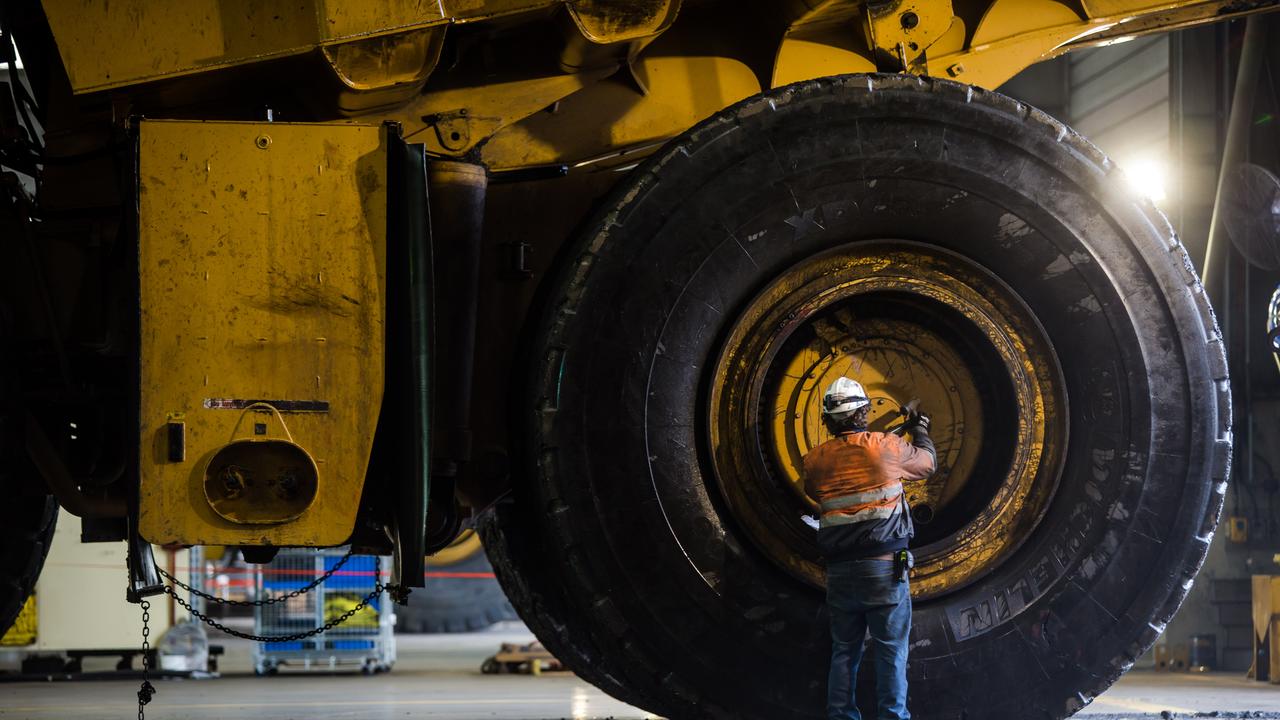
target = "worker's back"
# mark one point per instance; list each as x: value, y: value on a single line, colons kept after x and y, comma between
x: 857, y: 479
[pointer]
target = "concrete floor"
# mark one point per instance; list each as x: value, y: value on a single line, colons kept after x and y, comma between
x: 438, y: 677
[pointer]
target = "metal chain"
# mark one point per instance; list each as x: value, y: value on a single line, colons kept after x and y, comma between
x: 147, y: 690
x: 377, y: 590
x: 260, y: 603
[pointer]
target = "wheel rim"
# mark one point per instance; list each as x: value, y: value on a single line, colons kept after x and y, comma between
x: 908, y: 321
x: 464, y: 546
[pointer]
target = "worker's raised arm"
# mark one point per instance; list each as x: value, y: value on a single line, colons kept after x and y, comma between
x: 918, y: 459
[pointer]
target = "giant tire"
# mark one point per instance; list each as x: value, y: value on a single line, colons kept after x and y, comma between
x: 26, y: 531
x: 624, y: 552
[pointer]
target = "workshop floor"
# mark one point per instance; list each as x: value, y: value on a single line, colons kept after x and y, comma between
x: 437, y: 677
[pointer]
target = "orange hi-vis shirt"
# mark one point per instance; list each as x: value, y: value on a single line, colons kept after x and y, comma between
x: 857, y: 480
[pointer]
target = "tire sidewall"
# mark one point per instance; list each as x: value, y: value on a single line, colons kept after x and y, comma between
x: 642, y: 311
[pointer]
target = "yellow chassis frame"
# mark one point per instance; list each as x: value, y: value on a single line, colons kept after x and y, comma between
x: 630, y: 73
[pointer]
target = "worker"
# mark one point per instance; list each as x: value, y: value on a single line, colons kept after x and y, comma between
x: 863, y: 533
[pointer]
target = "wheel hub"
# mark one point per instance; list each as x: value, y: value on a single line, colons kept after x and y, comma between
x: 908, y: 322
x: 896, y: 361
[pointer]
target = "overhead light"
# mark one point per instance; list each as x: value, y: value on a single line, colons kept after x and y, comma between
x: 1148, y: 177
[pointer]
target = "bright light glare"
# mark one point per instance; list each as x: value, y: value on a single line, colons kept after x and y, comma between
x: 580, y: 708
x: 1148, y: 177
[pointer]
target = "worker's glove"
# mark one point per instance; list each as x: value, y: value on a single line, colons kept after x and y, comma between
x: 916, y: 419
x: 917, y: 423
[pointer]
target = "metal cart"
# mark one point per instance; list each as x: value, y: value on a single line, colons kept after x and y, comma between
x: 365, y: 642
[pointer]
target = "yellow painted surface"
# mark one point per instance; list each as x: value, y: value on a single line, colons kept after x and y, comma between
x: 108, y: 43
x: 609, y: 21
x: 24, y: 628
x: 605, y: 86
x: 353, y: 19
x: 811, y: 52
x: 463, y: 547
x: 451, y: 122
x: 1266, y: 621
x: 825, y: 38
x: 112, y: 43
x: 1098, y: 8
x: 890, y: 33
x: 1001, y: 60
x: 1011, y: 18
x: 613, y: 114
x: 261, y: 264
x: 405, y: 58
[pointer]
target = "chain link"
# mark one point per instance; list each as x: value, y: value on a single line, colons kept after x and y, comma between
x: 260, y: 603
x: 147, y: 690
x: 377, y: 590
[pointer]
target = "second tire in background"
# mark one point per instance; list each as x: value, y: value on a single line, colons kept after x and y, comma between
x: 461, y: 594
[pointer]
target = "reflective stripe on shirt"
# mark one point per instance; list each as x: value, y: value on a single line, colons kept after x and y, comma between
x: 875, y: 513
x: 887, y: 492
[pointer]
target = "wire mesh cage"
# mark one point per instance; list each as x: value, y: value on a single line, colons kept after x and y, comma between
x: 364, y: 642
x: 222, y: 573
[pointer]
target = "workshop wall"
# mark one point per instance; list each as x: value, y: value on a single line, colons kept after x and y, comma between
x: 1118, y: 97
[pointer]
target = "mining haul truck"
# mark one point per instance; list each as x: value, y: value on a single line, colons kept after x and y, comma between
x: 574, y: 274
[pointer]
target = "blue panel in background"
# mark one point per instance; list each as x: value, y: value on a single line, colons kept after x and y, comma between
x: 357, y: 574
x: 350, y: 644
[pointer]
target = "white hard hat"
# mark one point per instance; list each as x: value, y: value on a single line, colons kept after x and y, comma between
x: 844, y: 396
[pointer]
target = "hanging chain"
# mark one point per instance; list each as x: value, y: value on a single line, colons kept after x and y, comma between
x: 147, y: 690
x: 269, y: 601
x: 378, y: 587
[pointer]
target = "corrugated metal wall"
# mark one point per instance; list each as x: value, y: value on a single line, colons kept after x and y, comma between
x: 1118, y: 97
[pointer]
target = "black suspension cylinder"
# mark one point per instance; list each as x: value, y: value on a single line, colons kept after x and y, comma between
x: 457, y: 194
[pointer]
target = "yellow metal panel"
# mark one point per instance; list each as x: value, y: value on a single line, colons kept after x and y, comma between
x: 1101, y: 8
x: 807, y: 53
x: 262, y: 268
x: 1015, y: 18
x: 348, y: 19
x: 113, y: 43
x: 23, y: 630
x: 609, y: 21
x: 452, y: 122
x: 353, y: 19
x: 380, y: 62
x: 992, y: 65
x: 682, y: 91
x: 906, y: 28
x: 953, y: 40
x: 108, y: 43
